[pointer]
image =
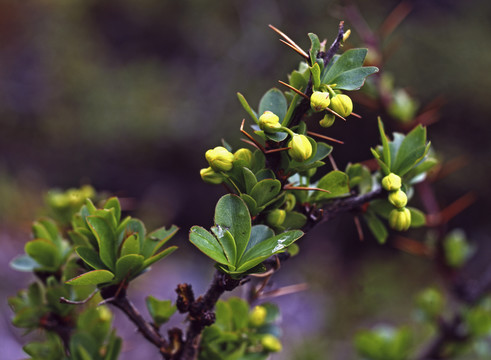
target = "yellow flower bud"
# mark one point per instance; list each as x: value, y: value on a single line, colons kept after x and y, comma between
x: 210, y: 176
x: 257, y: 316
x: 269, y: 122
x: 342, y: 104
x: 300, y: 148
x: 327, y: 120
x: 290, y: 202
x: 391, y: 182
x: 244, y: 155
x: 400, y: 219
x: 398, y: 198
x: 276, y: 217
x: 220, y: 159
x: 319, y: 101
x: 346, y: 35
x: 271, y: 343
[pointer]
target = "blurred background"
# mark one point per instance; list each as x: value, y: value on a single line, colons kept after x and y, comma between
x: 128, y: 95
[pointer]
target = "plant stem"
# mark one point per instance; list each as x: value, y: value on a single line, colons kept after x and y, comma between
x: 147, y: 330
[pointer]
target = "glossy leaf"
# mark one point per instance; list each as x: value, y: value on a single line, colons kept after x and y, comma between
x: 159, y: 256
x: 113, y: 203
x: 267, y: 248
x: 348, y: 72
x: 314, y: 48
x: 273, y: 101
x: 156, y: 239
x: 336, y: 182
x: 131, y: 245
x: 93, y: 277
x: 127, y: 266
x: 208, y: 244
x: 231, y: 213
x: 105, y: 238
x: 90, y: 257
x: 315, y: 70
x: 265, y: 191
x: 249, y: 179
x: 247, y: 107
x: 259, y: 233
x: 227, y: 242
x: 251, y: 204
x: 294, y: 220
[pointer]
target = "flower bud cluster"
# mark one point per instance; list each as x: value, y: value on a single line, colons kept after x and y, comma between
x: 400, y: 217
x: 221, y: 161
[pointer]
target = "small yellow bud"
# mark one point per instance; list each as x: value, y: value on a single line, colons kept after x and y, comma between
x: 301, y: 148
x: 257, y: 316
x: 210, y: 176
x: 269, y: 122
x: 327, y: 120
x: 319, y: 101
x: 220, y: 159
x: 104, y: 313
x: 391, y: 182
x: 400, y: 219
x: 87, y: 191
x: 276, y: 217
x: 342, y: 104
x: 346, y: 35
x: 398, y: 198
x: 243, y: 155
x: 271, y: 343
x: 290, y: 202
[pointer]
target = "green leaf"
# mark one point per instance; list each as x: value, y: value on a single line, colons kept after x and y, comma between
x: 105, y: 238
x: 93, y: 277
x: 276, y: 137
x: 267, y: 248
x: 265, y: 191
x: 294, y: 220
x: 227, y: 241
x: 231, y: 213
x: 418, y: 218
x: 156, y: 239
x: 160, y: 255
x: 421, y: 168
x: 160, y: 310
x: 273, y: 101
x: 251, y: 204
x: 44, y: 252
x: 322, y: 151
x: 249, y: 179
x: 24, y: 263
x: 410, y: 151
x: 247, y: 107
x: 207, y: 244
x: 113, y: 347
x: 316, y: 75
x: 348, y: 72
x: 298, y: 80
x: 136, y: 226
x: 240, y: 309
x: 127, y: 266
x: 383, y: 166
x: 90, y: 257
x: 291, y: 110
x: 386, y: 156
x: 377, y: 228
x: 113, y: 203
x: 314, y: 48
x: 259, y: 233
x: 381, y: 207
x: 131, y: 245
x: 336, y: 182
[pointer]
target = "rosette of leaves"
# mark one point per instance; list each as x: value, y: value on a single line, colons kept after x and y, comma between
x: 48, y: 251
x: 236, y: 246
x: 117, y: 250
x: 406, y: 156
x: 233, y: 337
